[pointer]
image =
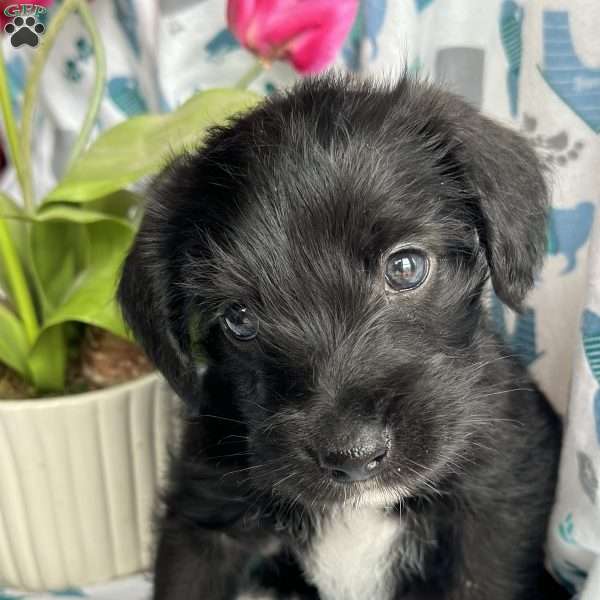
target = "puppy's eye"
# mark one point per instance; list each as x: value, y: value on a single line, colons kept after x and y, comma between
x: 240, y: 322
x: 406, y: 269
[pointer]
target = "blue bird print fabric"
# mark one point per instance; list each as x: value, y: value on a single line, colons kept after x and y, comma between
x: 532, y: 64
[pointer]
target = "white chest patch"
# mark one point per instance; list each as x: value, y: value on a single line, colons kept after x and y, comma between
x: 351, y: 557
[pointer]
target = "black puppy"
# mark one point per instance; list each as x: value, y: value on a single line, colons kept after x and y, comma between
x: 360, y: 433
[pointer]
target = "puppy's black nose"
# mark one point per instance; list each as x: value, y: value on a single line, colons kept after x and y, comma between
x: 359, y: 458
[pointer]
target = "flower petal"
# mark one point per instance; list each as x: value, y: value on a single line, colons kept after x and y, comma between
x: 239, y: 16
x: 308, y: 33
x: 311, y: 32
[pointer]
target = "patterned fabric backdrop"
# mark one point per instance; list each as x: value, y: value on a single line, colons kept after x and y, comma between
x: 534, y: 64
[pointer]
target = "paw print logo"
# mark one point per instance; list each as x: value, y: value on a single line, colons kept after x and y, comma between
x: 24, y: 31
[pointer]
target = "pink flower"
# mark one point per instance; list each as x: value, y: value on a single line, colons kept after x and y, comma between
x: 307, y: 33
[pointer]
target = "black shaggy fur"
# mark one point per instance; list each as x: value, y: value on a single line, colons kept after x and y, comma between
x: 290, y: 210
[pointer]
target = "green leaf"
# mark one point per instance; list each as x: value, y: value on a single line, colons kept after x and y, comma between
x: 13, y: 342
x: 60, y: 247
x: 91, y: 299
x: 76, y: 214
x: 47, y: 360
x: 123, y: 203
x: 18, y: 232
x: 59, y: 251
x: 142, y: 145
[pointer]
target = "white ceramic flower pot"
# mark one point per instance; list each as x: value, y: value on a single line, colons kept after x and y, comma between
x: 78, y: 482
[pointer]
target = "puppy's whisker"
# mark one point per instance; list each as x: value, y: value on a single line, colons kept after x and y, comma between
x: 232, y: 435
x: 220, y: 418
x: 245, y: 469
x: 507, y: 391
x: 261, y: 407
x: 232, y: 455
x: 423, y: 480
x: 284, y: 479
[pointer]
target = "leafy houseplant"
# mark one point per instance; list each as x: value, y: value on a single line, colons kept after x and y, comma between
x: 59, y: 257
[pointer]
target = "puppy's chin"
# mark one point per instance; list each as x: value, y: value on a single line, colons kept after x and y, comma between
x: 377, y: 497
x: 328, y: 494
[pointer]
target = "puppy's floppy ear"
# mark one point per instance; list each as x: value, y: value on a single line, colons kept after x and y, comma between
x: 507, y: 179
x: 153, y: 305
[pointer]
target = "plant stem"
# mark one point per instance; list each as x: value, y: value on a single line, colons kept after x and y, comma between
x: 18, y: 283
x: 35, y: 75
x: 100, y: 78
x: 8, y: 254
x: 255, y: 70
x: 12, y: 135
